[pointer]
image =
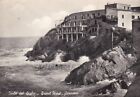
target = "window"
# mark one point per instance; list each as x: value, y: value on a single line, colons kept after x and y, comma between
x: 60, y: 30
x: 83, y: 17
x: 93, y: 15
x: 122, y: 16
x: 87, y: 15
x: 114, y: 6
x: 122, y: 24
x: 78, y: 29
x: 75, y: 17
x: 71, y: 23
x: 128, y: 8
x: 83, y: 23
x: 98, y: 14
x: 133, y: 17
x: 124, y: 7
x: 95, y: 29
x: 95, y: 22
x: 111, y: 16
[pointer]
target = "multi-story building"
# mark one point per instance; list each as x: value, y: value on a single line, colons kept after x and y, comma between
x: 81, y: 24
x: 136, y: 36
x: 75, y: 25
x: 123, y: 14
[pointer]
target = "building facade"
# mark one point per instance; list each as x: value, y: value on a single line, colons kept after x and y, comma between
x: 75, y: 25
x: 123, y: 13
x: 136, y: 36
x: 81, y: 24
x: 112, y: 10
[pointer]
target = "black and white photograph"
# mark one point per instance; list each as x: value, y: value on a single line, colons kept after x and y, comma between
x: 69, y: 48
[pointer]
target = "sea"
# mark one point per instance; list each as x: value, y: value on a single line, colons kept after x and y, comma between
x: 13, y: 49
x: 21, y: 78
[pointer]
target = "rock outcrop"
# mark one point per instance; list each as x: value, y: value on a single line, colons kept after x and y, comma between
x: 48, y: 46
x: 134, y: 89
x: 111, y: 64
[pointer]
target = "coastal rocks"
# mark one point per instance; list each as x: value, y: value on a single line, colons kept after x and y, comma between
x: 120, y: 86
x: 49, y: 45
x: 111, y: 64
x: 41, y: 49
x: 134, y: 88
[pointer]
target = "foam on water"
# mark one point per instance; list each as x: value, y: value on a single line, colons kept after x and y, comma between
x: 12, y: 57
x: 15, y: 57
x: 83, y: 59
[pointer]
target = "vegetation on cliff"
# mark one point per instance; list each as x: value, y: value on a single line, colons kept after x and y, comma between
x: 48, y: 46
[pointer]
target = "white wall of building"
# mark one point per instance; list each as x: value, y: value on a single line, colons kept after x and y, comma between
x: 123, y: 6
x: 126, y: 22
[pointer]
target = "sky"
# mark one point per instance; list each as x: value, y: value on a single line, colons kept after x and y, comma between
x: 25, y: 18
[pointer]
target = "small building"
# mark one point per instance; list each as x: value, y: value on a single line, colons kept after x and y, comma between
x: 125, y: 18
x: 136, y: 36
x: 123, y: 14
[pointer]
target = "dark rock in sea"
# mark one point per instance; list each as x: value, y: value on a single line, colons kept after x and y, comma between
x: 111, y: 64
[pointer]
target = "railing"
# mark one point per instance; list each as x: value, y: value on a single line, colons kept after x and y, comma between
x: 70, y: 32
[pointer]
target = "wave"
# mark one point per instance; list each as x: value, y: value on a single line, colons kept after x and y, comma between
x: 10, y: 57
x: 13, y: 52
x: 15, y: 57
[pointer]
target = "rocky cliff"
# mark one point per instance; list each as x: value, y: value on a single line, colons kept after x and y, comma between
x: 111, y: 64
x: 105, y: 63
x: 47, y: 47
x: 134, y: 89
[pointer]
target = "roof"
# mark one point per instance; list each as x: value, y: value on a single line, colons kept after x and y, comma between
x: 118, y: 4
x: 86, y: 12
x: 127, y: 10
